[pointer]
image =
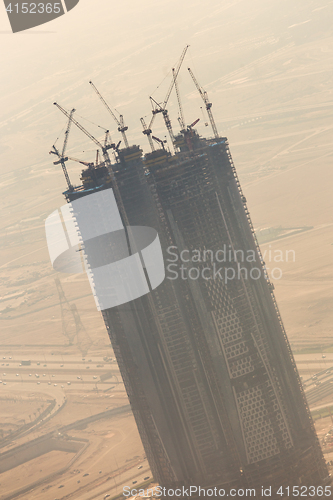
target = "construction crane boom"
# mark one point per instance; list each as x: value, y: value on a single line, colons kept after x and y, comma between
x: 63, y: 158
x: 181, y: 114
x: 88, y: 134
x: 87, y: 164
x: 61, y: 155
x: 107, y: 160
x: 121, y: 125
x: 176, y: 71
x: 208, y: 104
x: 66, y: 158
x: 159, y: 141
x: 161, y: 108
x: 194, y: 123
x: 67, y: 132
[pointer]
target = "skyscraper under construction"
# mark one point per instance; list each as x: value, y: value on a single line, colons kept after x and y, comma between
x: 204, y: 357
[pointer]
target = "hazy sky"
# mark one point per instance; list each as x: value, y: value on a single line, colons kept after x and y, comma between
x: 267, y: 66
x: 239, y: 51
x: 127, y: 48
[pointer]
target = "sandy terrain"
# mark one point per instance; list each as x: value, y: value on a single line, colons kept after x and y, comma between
x: 33, y: 470
x: 304, y: 291
x: 113, y: 454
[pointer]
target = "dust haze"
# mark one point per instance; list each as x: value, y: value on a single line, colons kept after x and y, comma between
x: 267, y: 67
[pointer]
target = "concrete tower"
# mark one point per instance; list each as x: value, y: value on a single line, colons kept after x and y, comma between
x: 204, y: 356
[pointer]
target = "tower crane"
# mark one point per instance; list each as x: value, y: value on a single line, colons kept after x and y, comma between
x: 159, y: 141
x: 161, y: 108
x: 62, y: 158
x: 67, y: 132
x: 66, y: 158
x: 181, y: 114
x: 121, y: 125
x: 147, y: 131
x: 104, y: 148
x: 208, y: 104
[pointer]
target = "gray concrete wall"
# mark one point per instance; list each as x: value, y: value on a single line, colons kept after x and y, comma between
x: 36, y: 448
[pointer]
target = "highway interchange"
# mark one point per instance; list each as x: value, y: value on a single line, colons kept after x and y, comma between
x: 56, y: 374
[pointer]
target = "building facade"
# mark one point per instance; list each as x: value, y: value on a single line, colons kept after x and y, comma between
x: 204, y: 357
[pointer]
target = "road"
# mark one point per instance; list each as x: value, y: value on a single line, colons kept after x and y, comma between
x: 56, y: 369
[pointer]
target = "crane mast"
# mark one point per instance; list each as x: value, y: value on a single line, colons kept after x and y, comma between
x: 162, y: 108
x: 165, y: 114
x: 181, y: 114
x: 122, y: 128
x: 63, y: 166
x: 121, y: 125
x: 208, y: 104
x: 61, y: 156
x: 147, y: 131
x: 175, y: 71
x: 67, y: 132
x: 79, y: 126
